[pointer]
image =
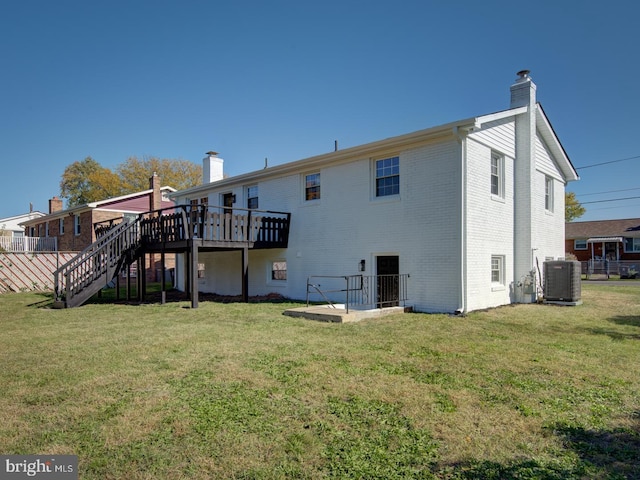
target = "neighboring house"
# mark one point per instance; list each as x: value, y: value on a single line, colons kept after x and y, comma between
x: 468, y: 210
x: 613, y: 240
x: 12, y: 236
x: 76, y: 228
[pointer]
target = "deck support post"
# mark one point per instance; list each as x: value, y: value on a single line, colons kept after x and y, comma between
x: 163, y: 294
x: 194, y: 273
x: 245, y: 274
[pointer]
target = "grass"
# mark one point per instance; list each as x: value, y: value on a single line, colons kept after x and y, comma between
x: 240, y: 391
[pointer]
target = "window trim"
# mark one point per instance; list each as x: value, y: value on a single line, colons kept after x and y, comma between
x: 635, y: 243
x: 306, y: 188
x: 575, y: 244
x: 376, y: 178
x: 256, y: 197
x: 61, y: 225
x: 271, y: 272
x: 76, y: 225
x: 499, y: 174
x: 500, y: 281
x: 548, y: 193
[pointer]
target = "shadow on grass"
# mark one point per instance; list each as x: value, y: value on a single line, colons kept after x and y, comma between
x: 602, y: 454
x: 614, y: 452
x: 633, y: 320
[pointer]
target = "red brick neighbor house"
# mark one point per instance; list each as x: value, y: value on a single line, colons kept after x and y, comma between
x: 78, y: 227
x: 611, y: 240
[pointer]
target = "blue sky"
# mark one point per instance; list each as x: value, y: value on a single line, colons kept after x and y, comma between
x: 284, y: 79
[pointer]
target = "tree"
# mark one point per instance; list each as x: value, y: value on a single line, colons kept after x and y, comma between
x: 572, y: 208
x: 179, y: 174
x: 87, y: 181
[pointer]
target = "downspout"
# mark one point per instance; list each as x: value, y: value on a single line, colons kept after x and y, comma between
x: 461, y: 138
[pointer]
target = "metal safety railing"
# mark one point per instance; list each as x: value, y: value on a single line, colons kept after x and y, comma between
x: 359, y: 291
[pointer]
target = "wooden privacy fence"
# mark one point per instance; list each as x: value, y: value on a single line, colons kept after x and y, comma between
x: 21, y: 272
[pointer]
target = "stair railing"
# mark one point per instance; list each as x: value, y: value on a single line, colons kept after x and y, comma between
x: 99, y: 262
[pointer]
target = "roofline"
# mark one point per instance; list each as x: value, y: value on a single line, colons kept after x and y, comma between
x: 543, y: 123
x: 96, y: 205
x: 377, y: 148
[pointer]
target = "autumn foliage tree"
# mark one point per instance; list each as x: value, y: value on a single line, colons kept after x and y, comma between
x: 87, y: 181
x: 572, y: 208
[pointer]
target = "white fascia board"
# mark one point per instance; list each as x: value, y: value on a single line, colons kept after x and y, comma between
x: 379, y: 148
x: 492, y: 117
x: 546, y: 131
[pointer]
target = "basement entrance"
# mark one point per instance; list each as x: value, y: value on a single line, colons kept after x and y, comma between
x: 388, y: 289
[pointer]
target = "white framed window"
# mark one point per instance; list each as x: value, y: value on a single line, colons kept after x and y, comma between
x: 632, y: 245
x: 497, y: 175
x: 76, y: 224
x: 278, y: 271
x: 580, y: 244
x: 252, y: 196
x: 497, y: 270
x: 201, y: 270
x: 46, y: 229
x: 387, y: 173
x: 548, y: 194
x: 61, y: 226
x: 312, y: 186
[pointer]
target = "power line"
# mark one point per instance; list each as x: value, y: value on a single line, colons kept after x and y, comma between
x: 609, y: 191
x: 607, y: 163
x: 610, y: 200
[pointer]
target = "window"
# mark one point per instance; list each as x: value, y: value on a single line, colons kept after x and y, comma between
x: 580, y: 244
x: 312, y: 186
x: 201, y: 270
x: 388, y: 177
x: 279, y: 270
x: 497, y: 269
x: 252, y: 196
x: 61, y: 228
x: 46, y: 229
x: 548, y: 194
x: 497, y: 175
x: 631, y: 245
x: 76, y: 224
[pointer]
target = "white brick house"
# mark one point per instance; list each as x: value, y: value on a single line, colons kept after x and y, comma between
x: 467, y: 209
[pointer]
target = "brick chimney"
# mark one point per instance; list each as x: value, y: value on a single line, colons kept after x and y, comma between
x: 55, y: 205
x: 212, y: 168
x: 155, y: 198
x: 523, y: 94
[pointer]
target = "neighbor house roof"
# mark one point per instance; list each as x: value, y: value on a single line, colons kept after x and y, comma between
x: 603, y: 229
x: 131, y: 203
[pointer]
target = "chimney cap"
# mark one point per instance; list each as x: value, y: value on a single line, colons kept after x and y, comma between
x: 212, y: 153
x: 523, y: 73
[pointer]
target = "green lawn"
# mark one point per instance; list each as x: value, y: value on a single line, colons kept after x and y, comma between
x: 241, y: 391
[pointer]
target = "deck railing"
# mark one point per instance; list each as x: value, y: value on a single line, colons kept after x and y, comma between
x: 359, y: 291
x: 260, y: 228
x: 28, y: 244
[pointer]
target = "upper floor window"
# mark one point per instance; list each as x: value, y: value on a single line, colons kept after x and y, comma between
x: 580, y: 244
x: 497, y: 175
x: 312, y: 186
x: 388, y: 177
x: 632, y: 245
x: 76, y: 224
x: 548, y: 194
x: 252, y: 196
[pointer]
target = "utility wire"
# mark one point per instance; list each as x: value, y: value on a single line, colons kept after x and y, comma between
x: 608, y: 191
x: 607, y: 163
x: 610, y: 200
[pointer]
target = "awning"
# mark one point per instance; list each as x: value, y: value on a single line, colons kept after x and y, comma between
x: 605, y: 239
